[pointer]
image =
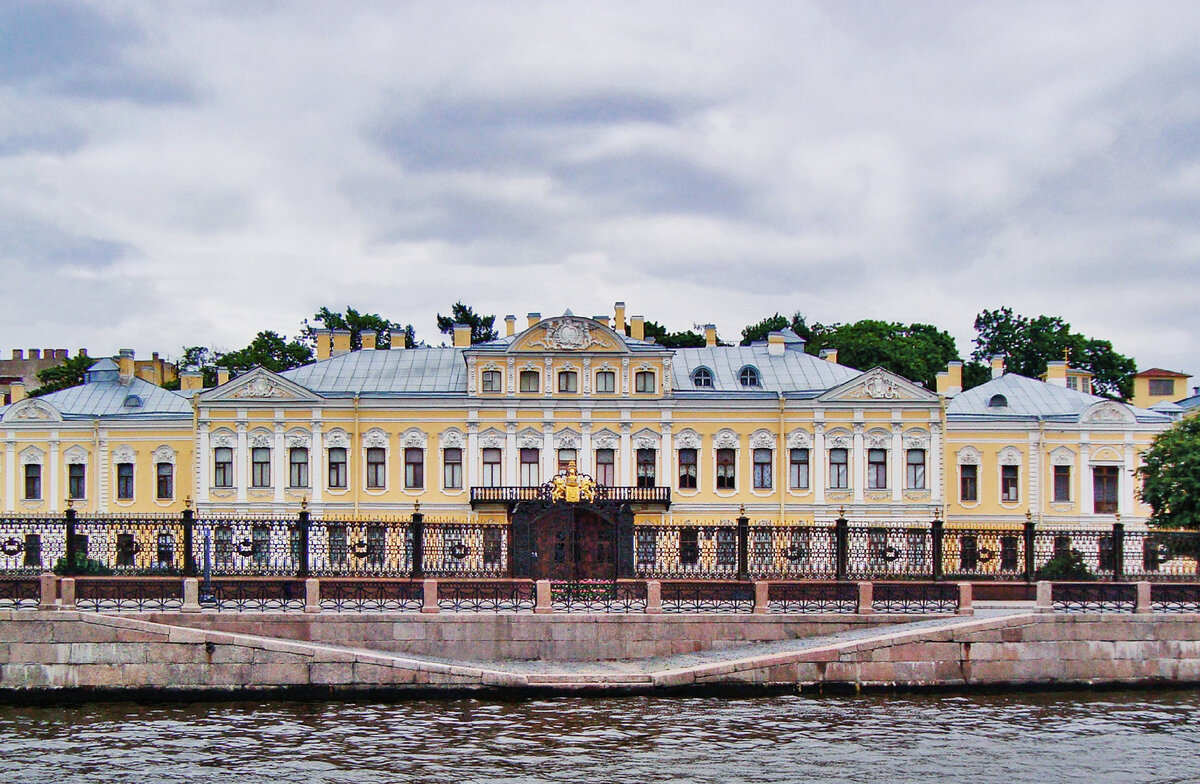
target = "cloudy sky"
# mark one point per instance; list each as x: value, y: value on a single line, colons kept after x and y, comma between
x: 190, y: 173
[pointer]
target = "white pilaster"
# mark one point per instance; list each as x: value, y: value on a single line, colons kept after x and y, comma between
x: 585, y: 448
x: 549, y: 456
x: 10, y: 474
x: 1087, y: 500
x: 55, y: 471
x: 281, y: 460
x: 625, y: 470
x: 899, y: 465
x: 859, y: 464
x: 204, y: 465
x: 820, y: 471
x: 316, y: 462
x: 666, y: 460
x: 241, y: 464
x: 103, y: 472
x: 1128, y: 480
x: 472, y: 454
x: 934, y: 469
x: 511, y: 477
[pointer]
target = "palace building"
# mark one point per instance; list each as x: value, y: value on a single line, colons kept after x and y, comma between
x: 692, y: 435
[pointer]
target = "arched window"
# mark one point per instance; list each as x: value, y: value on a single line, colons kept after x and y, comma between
x: 702, y: 377
x: 748, y: 376
x: 998, y: 401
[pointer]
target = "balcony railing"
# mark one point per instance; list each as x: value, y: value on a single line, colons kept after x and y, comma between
x: 512, y: 495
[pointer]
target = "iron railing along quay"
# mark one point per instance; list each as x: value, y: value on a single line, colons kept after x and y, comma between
x: 512, y: 495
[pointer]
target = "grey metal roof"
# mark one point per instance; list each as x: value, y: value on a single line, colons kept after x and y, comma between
x: 1189, y: 403
x: 793, y: 371
x: 108, y: 399
x: 411, y: 371
x: 1030, y: 398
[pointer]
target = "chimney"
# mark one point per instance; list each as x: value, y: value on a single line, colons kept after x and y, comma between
x: 125, y: 365
x: 82, y: 352
x: 829, y: 355
x: 18, y: 353
x: 949, y: 381
x: 997, y: 365
x: 48, y: 353
x: 323, y: 345
x: 222, y: 376
x: 35, y: 353
x: 16, y: 391
x: 619, y: 318
x: 462, y: 335
x: 775, y: 344
x: 368, y: 340
x: 190, y: 380
x: 534, y: 318
x: 61, y: 353
x: 510, y: 325
x: 341, y: 342
x: 710, y: 335
x: 1056, y: 373
x: 603, y: 319
x: 397, y: 340
x: 637, y: 327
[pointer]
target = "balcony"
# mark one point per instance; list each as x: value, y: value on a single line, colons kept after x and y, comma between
x: 512, y: 495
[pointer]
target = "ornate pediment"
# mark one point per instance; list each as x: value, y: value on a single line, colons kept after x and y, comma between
x: 260, y: 385
x: 569, y: 333
x: 879, y: 385
x: 1108, y: 412
x: 32, y: 410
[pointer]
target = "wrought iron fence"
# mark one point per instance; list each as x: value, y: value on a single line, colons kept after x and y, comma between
x: 598, y: 596
x: 1168, y: 597
x: 17, y: 593
x: 101, y: 594
x: 372, y: 595
x: 695, y: 596
x: 1094, y: 597
x: 914, y: 598
x: 813, y: 597
x: 486, y: 595
x: 253, y: 595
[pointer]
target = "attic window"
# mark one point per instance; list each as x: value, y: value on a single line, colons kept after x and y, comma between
x: 998, y: 401
x: 133, y: 401
x: 748, y: 376
x: 702, y: 377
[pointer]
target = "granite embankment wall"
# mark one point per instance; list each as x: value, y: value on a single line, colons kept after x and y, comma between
x: 46, y: 651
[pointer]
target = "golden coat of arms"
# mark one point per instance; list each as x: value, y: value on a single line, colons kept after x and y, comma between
x: 572, y: 486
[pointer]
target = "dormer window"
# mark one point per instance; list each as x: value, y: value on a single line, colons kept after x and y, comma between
x: 132, y: 401
x: 568, y: 381
x: 702, y: 378
x: 748, y: 376
x: 998, y: 401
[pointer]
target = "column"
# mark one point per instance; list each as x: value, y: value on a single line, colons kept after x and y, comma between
x: 859, y: 464
x: 10, y: 475
x: 667, y: 461
x: 1127, y: 480
x: 472, y: 454
x: 1035, y: 479
x: 549, y: 458
x: 316, y: 462
x: 281, y: 461
x: 899, y: 464
x: 1086, y: 496
x: 585, y: 448
x: 934, y: 469
x: 103, y: 472
x: 820, y: 472
x: 511, y: 477
x: 241, y: 465
x: 55, y: 496
x: 203, y: 465
x: 625, y: 472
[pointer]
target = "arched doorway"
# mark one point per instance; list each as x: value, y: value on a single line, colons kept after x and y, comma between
x: 562, y: 541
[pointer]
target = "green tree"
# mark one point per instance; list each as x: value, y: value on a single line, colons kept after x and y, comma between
x: 358, y: 322
x: 268, y: 349
x: 915, y: 351
x: 68, y: 374
x: 1171, y: 476
x: 686, y: 339
x: 481, y: 326
x: 798, y: 324
x: 200, y: 359
x: 1028, y: 344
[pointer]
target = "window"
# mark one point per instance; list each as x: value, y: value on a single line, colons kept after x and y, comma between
x: 414, y: 468
x: 1162, y: 386
x: 298, y: 467
x: 726, y: 546
x: 124, y: 481
x: 33, y: 482
x: 645, y: 467
x: 260, y: 467
x: 260, y: 543
x: 337, y: 544
x: 606, y: 473
x: 125, y: 549
x: 529, y: 467
x: 998, y: 401
x: 1009, y: 491
x: 646, y: 545
x: 762, y: 469
x: 529, y: 381
x: 568, y: 381
x: 223, y: 545
x: 689, y: 546
x: 914, y: 469
x: 491, y: 381
x: 968, y: 558
x: 164, y: 481
x: 877, y: 546
x: 968, y: 483
x: 376, y: 545
x: 165, y: 552
x: 839, y: 469
x: 493, y: 548
x: 452, y: 469
x: 223, y: 467
x: 566, y: 457
x: 376, y: 467
x: 798, y: 469
x: 76, y: 481
x: 643, y: 381
x: 1008, y: 553
x: 1107, y: 553
x: 1062, y: 484
x: 491, y: 467
x: 337, y: 467
x: 606, y: 381
x: 1072, y: 382
x: 726, y: 469
x: 876, y: 469
x: 702, y: 378
x: 748, y: 376
x: 687, y: 469
x: 33, y: 550
x: 1104, y: 489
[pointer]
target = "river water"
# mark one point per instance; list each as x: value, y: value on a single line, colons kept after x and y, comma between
x: 1092, y: 737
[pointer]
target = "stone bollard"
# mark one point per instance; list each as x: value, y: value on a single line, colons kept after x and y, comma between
x: 429, y: 596
x: 1045, y: 596
x: 653, y: 597
x: 866, y: 598
x: 191, y: 595
x: 762, y: 595
x: 312, y: 595
x: 543, y: 605
x: 964, y: 599
x: 66, y: 588
x: 1144, y: 601
x: 48, y: 599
